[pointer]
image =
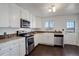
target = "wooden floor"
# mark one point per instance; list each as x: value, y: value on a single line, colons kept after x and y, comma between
x: 44, y: 50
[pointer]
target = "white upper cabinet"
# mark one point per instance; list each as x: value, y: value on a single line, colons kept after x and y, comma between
x: 4, y: 15
x: 24, y: 14
x: 10, y: 15
x: 33, y: 22
x: 28, y: 16
x: 14, y: 15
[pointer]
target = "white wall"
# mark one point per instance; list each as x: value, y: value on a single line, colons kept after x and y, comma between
x: 60, y: 23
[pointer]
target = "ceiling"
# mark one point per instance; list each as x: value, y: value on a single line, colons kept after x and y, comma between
x: 41, y: 9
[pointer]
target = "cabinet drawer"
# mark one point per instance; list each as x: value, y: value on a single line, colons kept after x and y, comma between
x: 4, y: 50
x: 14, y: 50
x: 5, y: 54
x: 3, y: 45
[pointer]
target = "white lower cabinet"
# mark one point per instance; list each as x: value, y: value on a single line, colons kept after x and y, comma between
x: 22, y: 50
x: 47, y: 38
x: 14, y: 51
x: 70, y: 38
x: 13, y: 48
x: 6, y: 54
x: 36, y: 39
x: 4, y: 49
x: 44, y: 38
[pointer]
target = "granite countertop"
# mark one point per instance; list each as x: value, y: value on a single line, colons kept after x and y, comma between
x: 14, y: 37
x: 35, y: 32
x: 48, y: 31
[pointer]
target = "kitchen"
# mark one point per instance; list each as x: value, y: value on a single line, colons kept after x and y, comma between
x: 21, y: 22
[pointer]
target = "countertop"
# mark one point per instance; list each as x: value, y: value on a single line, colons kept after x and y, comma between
x: 9, y: 39
x: 47, y: 31
x: 37, y: 32
x: 14, y: 37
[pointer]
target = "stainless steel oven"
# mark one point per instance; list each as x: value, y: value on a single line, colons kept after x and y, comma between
x: 29, y: 44
x: 29, y: 40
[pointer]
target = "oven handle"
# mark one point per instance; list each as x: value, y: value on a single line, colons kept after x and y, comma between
x: 29, y: 37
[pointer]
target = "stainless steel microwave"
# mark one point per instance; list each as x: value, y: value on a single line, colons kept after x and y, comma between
x: 24, y: 23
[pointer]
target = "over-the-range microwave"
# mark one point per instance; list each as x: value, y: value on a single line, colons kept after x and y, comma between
x: 24, y: 23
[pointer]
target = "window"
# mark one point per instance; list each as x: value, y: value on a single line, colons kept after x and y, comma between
x: 70, y: 25
x: 48, y: 24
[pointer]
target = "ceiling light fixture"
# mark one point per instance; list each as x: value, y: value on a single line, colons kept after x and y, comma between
x: 52, y: 9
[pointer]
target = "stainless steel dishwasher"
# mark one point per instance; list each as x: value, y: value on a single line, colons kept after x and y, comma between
x: 58, y: 40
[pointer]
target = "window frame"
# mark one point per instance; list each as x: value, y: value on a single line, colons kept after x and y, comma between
x: 72, y: 28
x: 49, y: 24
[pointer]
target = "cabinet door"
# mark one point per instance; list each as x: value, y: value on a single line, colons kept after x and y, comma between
x: 14, y: 51
x: 70, y: 38
x: 51, y: 38
x: 4, y: 49
x: 4, y: 16
x: 24, y: 14
x: 36, y: 39
x: 46, y: 38
x: 14, y: 15
x: 22, y: 49
x: 14, y: 48
x: 33, y: 22
x: 6, y: 54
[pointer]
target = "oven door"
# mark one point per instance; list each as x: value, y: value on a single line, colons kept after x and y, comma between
x: 29, y: 44
x: 30, y: 40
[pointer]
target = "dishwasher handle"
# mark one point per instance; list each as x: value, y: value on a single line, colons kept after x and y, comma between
x: 58, y: 35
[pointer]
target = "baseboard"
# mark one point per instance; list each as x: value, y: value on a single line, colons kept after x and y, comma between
x: 58, y: 46
x: 55, y: 45
x: 45, y: 44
